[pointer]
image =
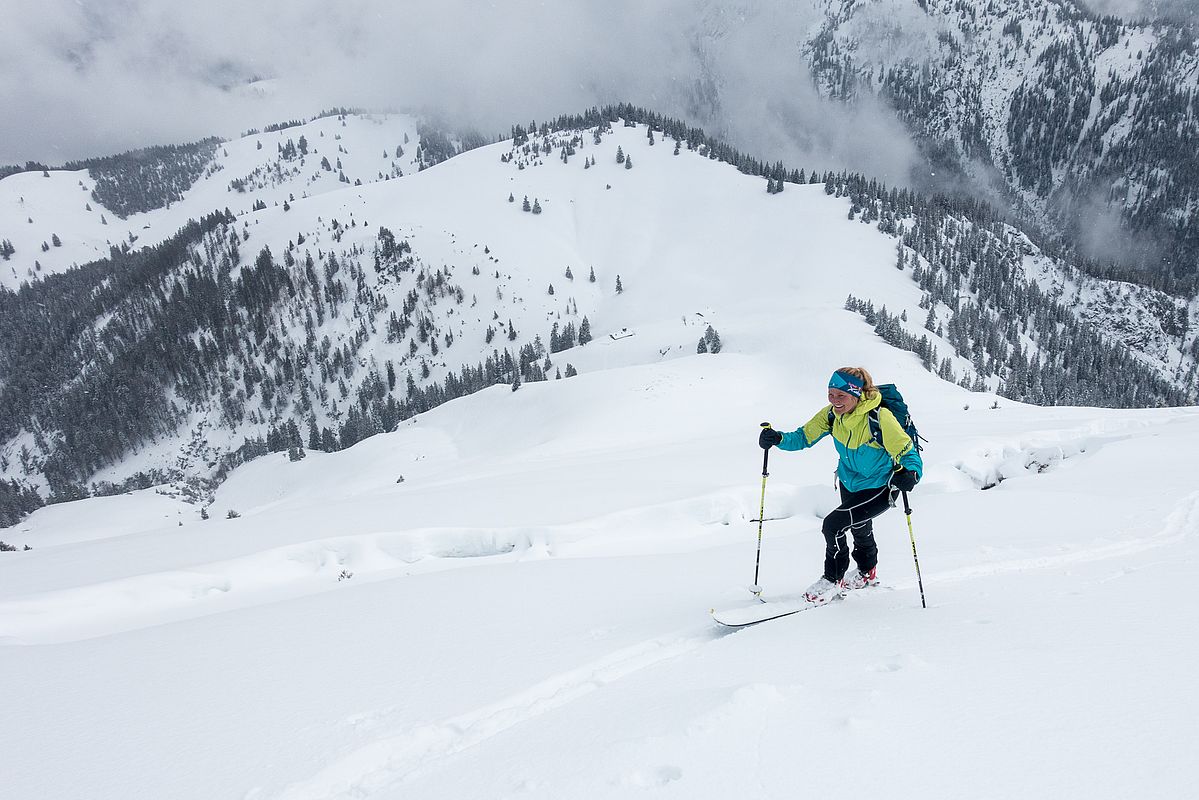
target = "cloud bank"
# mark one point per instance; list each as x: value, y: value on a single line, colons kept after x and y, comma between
x: 79, y: 78
x: 1137, y: 10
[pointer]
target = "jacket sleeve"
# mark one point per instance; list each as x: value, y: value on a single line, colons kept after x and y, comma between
x: 898, y: 444
x: 812, y: 432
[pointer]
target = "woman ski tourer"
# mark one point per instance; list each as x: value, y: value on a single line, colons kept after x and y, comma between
x: 869, y: 475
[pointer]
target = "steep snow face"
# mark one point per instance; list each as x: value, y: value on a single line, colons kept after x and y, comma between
x: 1154, y: 325
x: 1037, y: 99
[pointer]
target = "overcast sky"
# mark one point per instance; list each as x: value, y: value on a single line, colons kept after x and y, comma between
x: 77, y: 75
x: 81, y: 78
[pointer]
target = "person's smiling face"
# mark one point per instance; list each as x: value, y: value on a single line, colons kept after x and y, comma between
x: 843, y: 402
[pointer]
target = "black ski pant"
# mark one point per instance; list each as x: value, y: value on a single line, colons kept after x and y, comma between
x: 854, y: 516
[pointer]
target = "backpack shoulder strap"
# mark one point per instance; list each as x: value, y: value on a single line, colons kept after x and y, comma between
x: 876, y: 428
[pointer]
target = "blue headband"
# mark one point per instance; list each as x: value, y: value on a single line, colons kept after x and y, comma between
x: 845, y: 382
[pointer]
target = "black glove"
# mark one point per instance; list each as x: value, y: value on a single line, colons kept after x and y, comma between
x: 904, y: 480
x: 768, y: 438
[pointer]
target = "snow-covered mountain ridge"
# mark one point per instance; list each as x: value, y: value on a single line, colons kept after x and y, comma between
x: 324, y: 154
x: 1087, y: 123
x: 315, y: 321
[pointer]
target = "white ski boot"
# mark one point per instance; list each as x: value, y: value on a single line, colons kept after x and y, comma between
x: 856, y: 579
x: 822, y: 591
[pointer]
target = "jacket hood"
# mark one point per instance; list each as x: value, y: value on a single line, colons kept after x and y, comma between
x: 865, y: 406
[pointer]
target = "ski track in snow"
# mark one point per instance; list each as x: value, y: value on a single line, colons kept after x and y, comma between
x: 402, y: 756
x: 320, y: 565
x: 1178, y: 525
x: 393, y: 759
x: 113, y: 606
x: 641, y: 404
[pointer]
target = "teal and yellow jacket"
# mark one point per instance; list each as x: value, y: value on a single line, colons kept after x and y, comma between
x: 863, y: 464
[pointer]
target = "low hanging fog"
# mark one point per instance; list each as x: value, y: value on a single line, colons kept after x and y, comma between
x: 81, y: 80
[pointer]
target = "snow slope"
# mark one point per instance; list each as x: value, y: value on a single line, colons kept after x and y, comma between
x: 35, y: 207
x: 508, y: 596
x: 525, y: 615
x: 693, y: 241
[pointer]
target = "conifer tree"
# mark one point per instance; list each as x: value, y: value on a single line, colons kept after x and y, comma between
x: 712, y: 340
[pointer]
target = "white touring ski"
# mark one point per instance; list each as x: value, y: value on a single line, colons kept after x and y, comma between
x: 766, y: 610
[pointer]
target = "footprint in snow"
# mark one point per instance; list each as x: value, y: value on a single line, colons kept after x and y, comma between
x: 654, y: 777
x: 897, y: 663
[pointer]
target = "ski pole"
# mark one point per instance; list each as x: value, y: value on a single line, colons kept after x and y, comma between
x: 756, y: 589
x: 907, y: 510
